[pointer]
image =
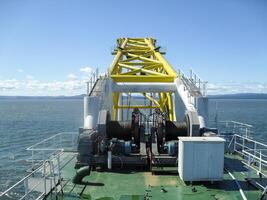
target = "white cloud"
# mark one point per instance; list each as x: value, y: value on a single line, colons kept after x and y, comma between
x: 29, y: 77
x: 9, y: 84
x: 35, y: 87
x: 237, y: 87
x: 74, y: 85
x: 30, y: 85
x: 72, y: 76
x: 87, y: 70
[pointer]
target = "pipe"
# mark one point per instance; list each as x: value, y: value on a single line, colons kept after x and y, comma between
x: 238, y: 185
x: 80, y: 174
x: 109, y: 160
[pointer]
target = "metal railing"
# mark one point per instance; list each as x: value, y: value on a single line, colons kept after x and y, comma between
x: 64, y: 141
x: 254, y: 156
x: 253, y: 152
x: 93, y: 79
x: 195, y: 85
x: 233, y: 127
x: 239, y: 140
x: 48, y: 158
x: 200, y: 84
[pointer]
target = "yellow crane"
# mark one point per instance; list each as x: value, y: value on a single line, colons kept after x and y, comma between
x: 139, y: 60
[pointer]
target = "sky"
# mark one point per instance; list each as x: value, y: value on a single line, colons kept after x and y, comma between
x: 50, y: 47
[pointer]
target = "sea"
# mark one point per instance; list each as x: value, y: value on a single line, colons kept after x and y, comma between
x: 24, y: 122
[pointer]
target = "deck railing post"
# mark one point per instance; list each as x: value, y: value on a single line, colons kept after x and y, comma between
x: 243, y: 145
x: 249, y: 168
x: 45, y: 178
x: 255, y: 147
x: 234, y: 143
x: 26, y: 187
x: 60, y: 141
x: 32, y: 160
x: 260, y: 163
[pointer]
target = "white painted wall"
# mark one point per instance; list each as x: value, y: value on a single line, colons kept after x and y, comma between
x: 201, y: 158
x: 91, y: 110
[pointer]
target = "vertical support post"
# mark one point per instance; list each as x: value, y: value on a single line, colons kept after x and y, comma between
x: 170, y: 106
x: 45, y: 178
x: 233, y: 128
x: 120, y: 110
x: 260, y: 161
x: 58, y: 166
x: 97, y: 72
x: 115, y: 104
x: 91, y: 83
x: 249, y: 168
x: 109, y: 159
x: 60, y: 141
x: 88, y: 89
x: 255, y: 147
x: 243, y: 145
x: 32, y: 160
x: 26, y: 187
x: 234, y: 143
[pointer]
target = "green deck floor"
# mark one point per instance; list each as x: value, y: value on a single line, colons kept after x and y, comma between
x: 133, y: 185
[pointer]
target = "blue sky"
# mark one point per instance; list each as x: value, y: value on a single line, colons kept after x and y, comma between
x: 48, y: 47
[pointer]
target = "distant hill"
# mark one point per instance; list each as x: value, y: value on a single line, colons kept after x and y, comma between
x: 43, y: 97
x: 240, y: 96
x: 221, y: 96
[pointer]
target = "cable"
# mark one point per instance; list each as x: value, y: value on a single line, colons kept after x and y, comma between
x: 237, y: 183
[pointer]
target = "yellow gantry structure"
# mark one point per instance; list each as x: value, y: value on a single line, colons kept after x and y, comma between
x: 139, y: 60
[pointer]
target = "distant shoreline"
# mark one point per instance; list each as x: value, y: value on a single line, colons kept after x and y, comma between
x: 239, y: 96
x: 221, y: 96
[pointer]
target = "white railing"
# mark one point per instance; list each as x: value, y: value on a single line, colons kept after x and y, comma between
x: 254, y: 156
x: 194, y: 83
x: 64, y: 141
x: 48, y: 158
x: 239, y: 139
x: 233, y: 127
x: 93, y: 79
x: 41, y: 181
x: 254, y: 152
x: 200, y: 84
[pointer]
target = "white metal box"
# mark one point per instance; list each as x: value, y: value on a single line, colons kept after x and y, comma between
x: 201, y: 158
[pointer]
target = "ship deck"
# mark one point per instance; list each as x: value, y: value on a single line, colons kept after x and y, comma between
x: 137, y: 185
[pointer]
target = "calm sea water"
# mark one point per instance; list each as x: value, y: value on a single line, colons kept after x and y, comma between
x: 25, y: 122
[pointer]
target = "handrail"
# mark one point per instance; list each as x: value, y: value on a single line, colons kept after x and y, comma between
x: 56, y: 161
x: 92, y: 81
x: 233, y: 127
x: 193, y: 83
x: 20, y: 181
x: 40, y: 153
x: 252, y: 156
x: 49, y: 138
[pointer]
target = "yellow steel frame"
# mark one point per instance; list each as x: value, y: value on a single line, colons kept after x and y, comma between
x: 139, y: 60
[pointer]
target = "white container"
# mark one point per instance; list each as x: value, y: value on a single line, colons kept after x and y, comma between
x: 201, y: 158
x: 88, y: 122
x: 91, y: 110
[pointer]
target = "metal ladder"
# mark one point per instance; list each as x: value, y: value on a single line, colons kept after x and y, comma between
x: 51, y: 175
x: 263, y: 193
